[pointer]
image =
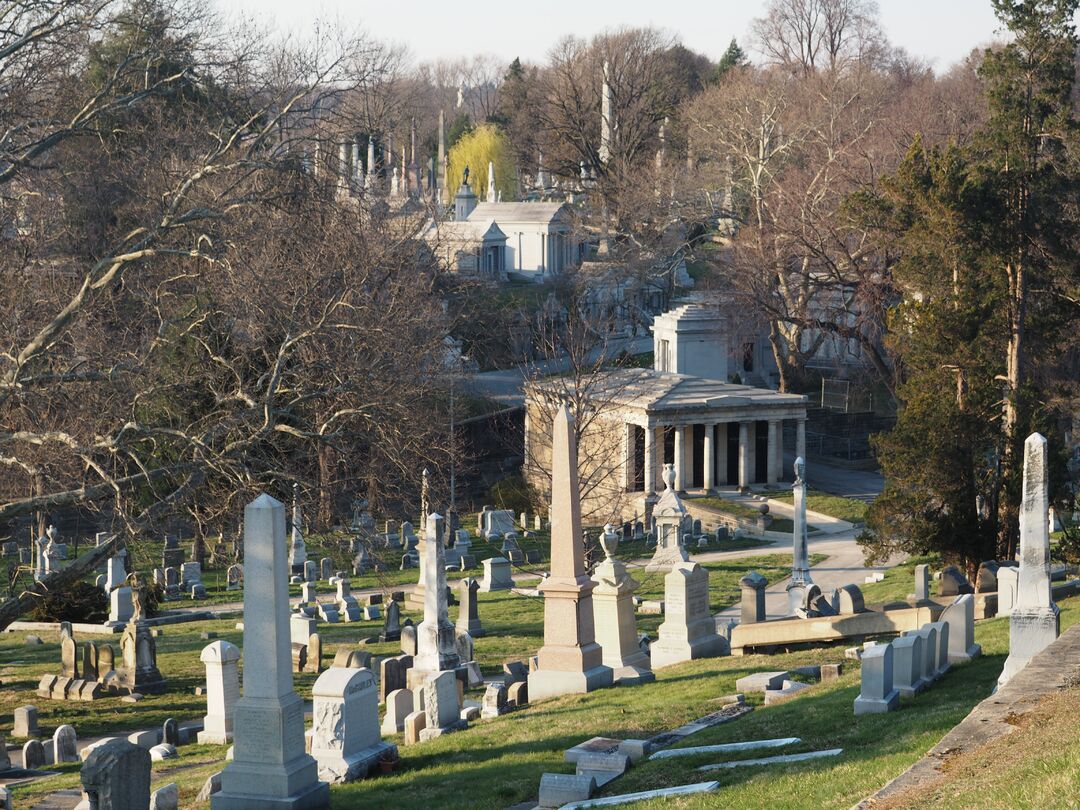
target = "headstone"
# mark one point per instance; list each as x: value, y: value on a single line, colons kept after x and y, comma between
x: 33, y: 755
x: 669, y: 515
x: 1008, y: 579
x: 941, y: 659
x: 139, y: 672
x: 297, y: 547
x: 468, y: 615
x: 222, y: 661
x: 314, y: 654
x: 90, y: 661
x: 559, y: 789
x: 65, y: 745
x: 269, y: 766
x: 114, y: 573
x: 441, y: 704
x: 170, y: 732
x: 311, y: 571
x: 494, y: 700
x: 753, y: 598
x: 497, y: 575
x: 986, y: 579
x: 689, y: 630
x: 408, y: 640
x: 953, y: 582
x: 172, y: 556
x: 570, y: 661
x: 348, y: 607
x: 106, y: 660
x: 414, y: 726
x: 399, y: 705
x: 960, y: 616
x: 69, y: 657
x: 190, y: 573
x: 234, y: 578
x: 908, y: 677
x: 392, y: 674
x: 345, y: 738
x: 326, y: 567
x: 392, y: 623
x: 877, y: 694
x: 850, y: 601
x: 1035, y: 621
x: 613, y: 616
x: 121, y: 608
x: 116, y: 775
x: 930, y: 651
x: 166, y: 797
x: 26, y: 722
x: 435, y: 636
x: 922, y: 582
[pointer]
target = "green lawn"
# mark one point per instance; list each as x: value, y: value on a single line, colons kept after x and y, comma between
x: 832, y: 505
x: 899, y: 582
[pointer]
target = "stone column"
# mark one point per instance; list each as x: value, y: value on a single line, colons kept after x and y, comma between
x: 744, y: 454
x: 773, y: 468
x: 650, y: 460
x: 800, y: 438
x: 801, y: 581
x: 780, y: 448
x: 1035, y: 621
x: 436, y: 649
x: 720, y: 450
x: 570, y: 661
x: 680, y: 459
x: 629, y: 465
x: 709, y: 457
x: 269, y: 768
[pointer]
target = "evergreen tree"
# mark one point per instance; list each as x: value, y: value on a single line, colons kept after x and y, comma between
x: 733, y: 58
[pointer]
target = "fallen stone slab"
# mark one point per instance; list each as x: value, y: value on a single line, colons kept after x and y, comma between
x: 789, y: 690
x: 627, y: 798
x: 603, y: 768
x: 725, y: 715
x: 724, y: 748
x: 762, y: 681
x: 777, y: 760
x: 558, y: 789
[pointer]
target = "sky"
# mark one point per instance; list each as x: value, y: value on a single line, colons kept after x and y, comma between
x: 942, y: 31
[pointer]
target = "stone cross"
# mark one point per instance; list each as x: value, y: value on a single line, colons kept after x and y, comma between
x: 268, y: 721
x: 570, y: 661
x: 222, y: 661
x: 1034, y: 622
x: 800, y: 562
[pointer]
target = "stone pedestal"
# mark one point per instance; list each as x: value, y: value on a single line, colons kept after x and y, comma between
x: 345, y: 738
x: 613, y: 617
x: 1034, y: 622
x: 570, y: 660
x: 497, y: 575
x: 270, y: 768
x: 222, y: 691
x: 689, y: 630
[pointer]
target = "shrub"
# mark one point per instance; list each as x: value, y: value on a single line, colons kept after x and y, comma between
x: 82, y: 602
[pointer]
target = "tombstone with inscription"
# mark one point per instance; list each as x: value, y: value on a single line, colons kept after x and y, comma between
x: 688, y: 631
x: 345, y: 738
x: 468, y: 615
x: 116, y: 774
x: 222, y: 660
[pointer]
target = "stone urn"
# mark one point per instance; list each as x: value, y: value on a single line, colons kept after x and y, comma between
x: 609, y: 541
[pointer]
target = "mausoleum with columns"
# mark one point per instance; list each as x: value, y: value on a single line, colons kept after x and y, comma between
x: 715, y: 433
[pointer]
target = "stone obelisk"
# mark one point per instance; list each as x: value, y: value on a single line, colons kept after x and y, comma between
x: 801, y: 581
x: 1034, y: 622
x: 269, y: 768
x: 436, y: 648
x: 570, y: 660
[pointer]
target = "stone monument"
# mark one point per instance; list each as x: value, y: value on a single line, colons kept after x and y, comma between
x: 222, y: 691
x: 670, y: 515
x: 297, y: 547
x: 613, y: 616
x: 270, y: 768
x: 801, y: 580
x: 570, y: 660
x: 689, y: 630
x: 345, y: 738
x: 436, y: 649
x: 1034, y: 622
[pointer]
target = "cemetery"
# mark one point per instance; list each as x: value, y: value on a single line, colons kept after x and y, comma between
x: 392, y: 417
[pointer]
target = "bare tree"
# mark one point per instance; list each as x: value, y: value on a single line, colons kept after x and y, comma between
x: 803, y: 36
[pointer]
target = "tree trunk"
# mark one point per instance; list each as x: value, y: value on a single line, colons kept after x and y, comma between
x: 325, y: 511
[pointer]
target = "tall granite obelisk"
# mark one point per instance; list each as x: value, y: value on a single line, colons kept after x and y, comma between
x: 801, y: 581
x: 570, y: 660
x: 269, y: 768
x: 1035, y: 621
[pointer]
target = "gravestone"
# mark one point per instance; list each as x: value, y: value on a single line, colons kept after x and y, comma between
x: 121, y: 608
x: 494, y: 700
x: 170, y: 732
x: 26, y: 722
x: 753, y: 598
x: 953, y: 582
x: 234, y: 577
x: 908, y: 669
x: 922, y: 582
x: 269, y: 767
x: 69, y: 656
x: 116, y: 775
x: 850, y: 601
x: 435, y: 636
x: 90, y: 661
x: 877, y: 694
x: 139, y: 671
x: 347, y: 605
x: 570, y: 661
x: 297, y: 547
x: 941, y: 657
x: 326, y: 567
x: 222, y: 661
x: 1008, y: 578
x: 392, y: 623
x: 986, y: 580
x: 345, y: 738
x: 613, y: 616
x: 441, y: 704
x: 1035, y: 621
x: 399, y: 705
x: 311, y: 572
x: 392, y: 674
x: 468, y: 615
x: 497, y: 575
x: 669, y: 515
x: 114, y: 573
x: 172, y: 556
x: 960, y: 616
x: 106, y: 661
x: 65, y: 745
x: 930, y: 651
x: 314, y: 654
x: 800, y: 581
x: 33, y: 755
x: 689, y: 630
x: 190, y: 574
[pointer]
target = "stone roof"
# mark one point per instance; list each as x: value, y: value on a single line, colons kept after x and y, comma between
x: 518, y: 212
